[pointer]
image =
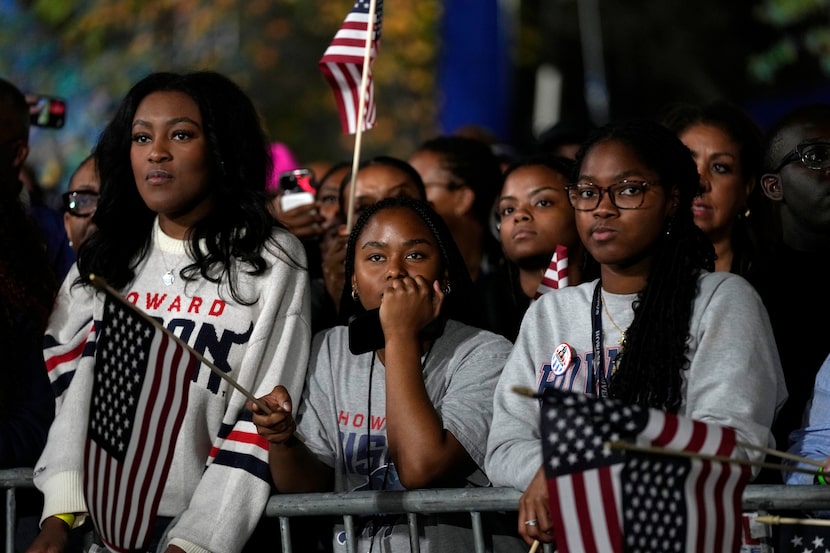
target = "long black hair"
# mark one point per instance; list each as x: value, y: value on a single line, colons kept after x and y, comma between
x: 649, y: 370
x: 225, y: 242
x: 458, y: 304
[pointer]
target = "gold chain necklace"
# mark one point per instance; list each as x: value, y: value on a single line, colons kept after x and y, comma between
x: 613, y: 322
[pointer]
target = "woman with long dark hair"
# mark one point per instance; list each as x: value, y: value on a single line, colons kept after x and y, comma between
x: 185, y: 235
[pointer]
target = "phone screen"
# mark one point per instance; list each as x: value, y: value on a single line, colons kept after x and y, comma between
x: 298, y: 180
x: 46, y: 111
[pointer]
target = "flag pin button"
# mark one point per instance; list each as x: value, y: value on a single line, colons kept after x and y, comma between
x: 561, y: 359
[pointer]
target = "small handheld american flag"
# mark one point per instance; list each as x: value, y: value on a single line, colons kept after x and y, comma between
x: 603, y: 500
x: 556, y: 275
x: 342, y: 64
x: 139, y: 399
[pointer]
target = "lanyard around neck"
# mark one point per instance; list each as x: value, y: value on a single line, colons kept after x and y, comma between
x: 598, y: 381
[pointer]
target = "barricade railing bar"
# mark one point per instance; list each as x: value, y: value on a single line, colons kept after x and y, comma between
x: 756, y: 497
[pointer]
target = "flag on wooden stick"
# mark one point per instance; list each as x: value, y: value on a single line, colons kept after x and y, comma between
x: 139, y: 399
x: 343, y: 61
x: 556, y: 275
x: 608, y: 500
x: 798, y: 538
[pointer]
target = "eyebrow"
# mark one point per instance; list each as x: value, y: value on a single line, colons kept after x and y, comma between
x: 169, y: 122
x: 714, y: 154
x: 408, y: 243
x: 618, y: 177
x: 401, y: 185
x: 724, y: 154
x: 531, y: 193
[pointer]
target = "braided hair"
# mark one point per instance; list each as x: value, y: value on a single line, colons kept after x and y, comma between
x: 458, y: 304
x: 649, y: 370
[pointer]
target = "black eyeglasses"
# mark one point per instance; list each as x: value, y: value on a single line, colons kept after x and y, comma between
x: 814, y: 155
x: 626, y: 194
x: 80, y: 203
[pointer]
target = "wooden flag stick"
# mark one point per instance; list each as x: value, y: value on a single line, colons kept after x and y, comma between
x: 535, y: 547
x: 774, y: 519
x: 616, y: 444
x: 521, y: 390
x: 782, y: 454
x: 102, y: 284
x: 358, y: 136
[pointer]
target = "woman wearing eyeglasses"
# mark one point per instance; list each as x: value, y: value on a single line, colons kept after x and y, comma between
x: 657, y: 329
x: 80, y: 201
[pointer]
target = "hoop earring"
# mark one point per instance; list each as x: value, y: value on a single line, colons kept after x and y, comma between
x: 355, y: 297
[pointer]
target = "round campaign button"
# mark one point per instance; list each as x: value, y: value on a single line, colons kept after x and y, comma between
x: 561, y: 359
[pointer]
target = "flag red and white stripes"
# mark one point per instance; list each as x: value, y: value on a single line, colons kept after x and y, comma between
x: 556, y: 275
x: 342, y: 65
x: 139, y: 399
x: 604, y: 500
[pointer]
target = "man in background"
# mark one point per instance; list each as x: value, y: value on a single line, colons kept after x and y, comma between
x: 796, y: 178
x: 14, y: 149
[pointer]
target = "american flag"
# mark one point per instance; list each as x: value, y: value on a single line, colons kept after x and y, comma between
x: 556, y: 275
x: 802, y: 538
x: 139, y: 398
x: 342, y: 65
x: 606, y: 500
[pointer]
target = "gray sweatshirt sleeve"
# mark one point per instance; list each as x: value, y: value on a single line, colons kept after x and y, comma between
x: 514, y: 447
x: 735, y: 376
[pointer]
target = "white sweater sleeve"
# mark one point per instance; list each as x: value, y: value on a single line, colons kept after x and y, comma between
x: 231, y: 495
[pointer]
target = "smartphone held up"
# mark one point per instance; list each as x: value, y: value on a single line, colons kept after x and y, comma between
x: 297, y: 188
x: 46, y: 111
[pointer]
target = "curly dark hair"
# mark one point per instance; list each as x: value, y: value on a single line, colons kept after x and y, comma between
x: 649, y: 370
x: 459, y: 304
x: 225, y: 242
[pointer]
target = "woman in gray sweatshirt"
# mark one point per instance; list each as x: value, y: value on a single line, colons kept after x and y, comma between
x: 657, y: 329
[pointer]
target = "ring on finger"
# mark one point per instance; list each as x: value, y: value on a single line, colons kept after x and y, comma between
x: 532, y: 522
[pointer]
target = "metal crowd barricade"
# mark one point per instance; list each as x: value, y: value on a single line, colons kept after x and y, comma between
x: 412, y: 503
x: 10, y: 480
x: 763, y: 498
x: 475, y: 501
